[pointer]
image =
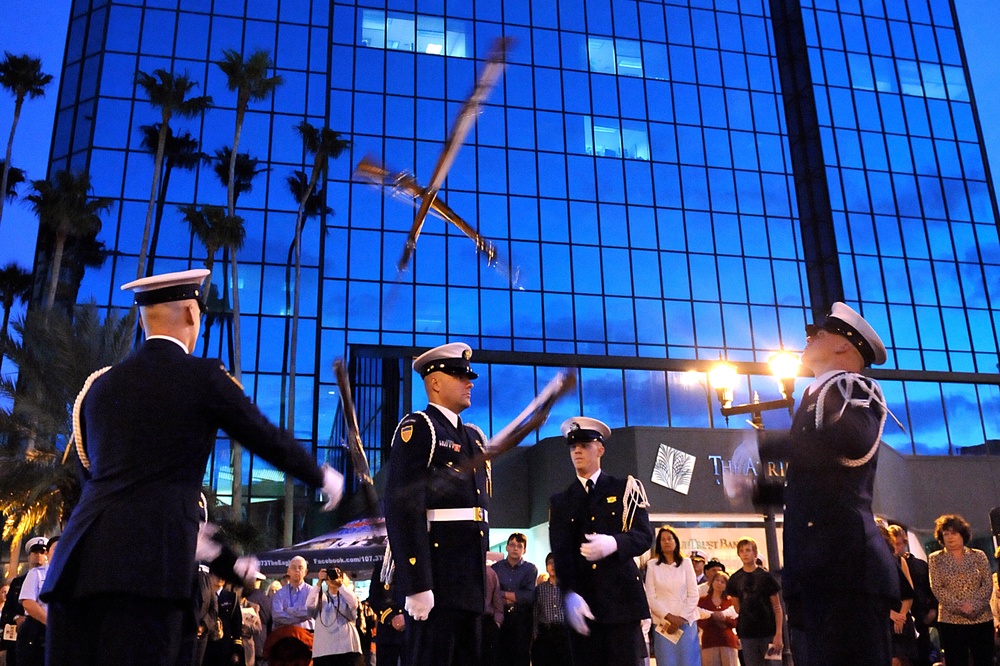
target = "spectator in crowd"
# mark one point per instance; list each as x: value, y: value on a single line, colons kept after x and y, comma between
x: 206, y: 611
x: 12, y: 616
x: 924, y: 608
x: 904, y: 640
x: 30, y: 646
x: 960, y: 579
x: 517, y: 583
x: 493, y: 618
x: 698, y: 561
x: 672, y: 594
x: 597, y: 526
x: 260, y: 601
x: 551, y: 635
x: 225, y: 647
x: 289, y: 604
x: 390, y: 637
x: 718, y: 638
x: 335, y: 606
x: 711, y: 566
x: 755, y: 596
x: 3, y: 599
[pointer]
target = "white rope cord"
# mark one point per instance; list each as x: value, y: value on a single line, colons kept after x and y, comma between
x: 846, y: 384
x: 635, y: 498
x: 77, y: 407
x: 388, y: 566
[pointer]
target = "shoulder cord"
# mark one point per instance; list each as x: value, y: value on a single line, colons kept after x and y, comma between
x: 634, y: 498
x: 388, y: 565
x: 77, y: 435
x: 489, y: 463
x: 846, y: 383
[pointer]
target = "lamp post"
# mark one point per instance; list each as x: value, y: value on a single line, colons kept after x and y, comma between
x: 723, y: 378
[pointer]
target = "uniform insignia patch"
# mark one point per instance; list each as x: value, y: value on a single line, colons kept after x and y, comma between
x: 413, y: 561
x: 405, y: 433
x: 448, y: 444
x: 612, y: 500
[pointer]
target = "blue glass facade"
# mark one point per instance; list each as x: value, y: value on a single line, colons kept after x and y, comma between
x: 634, y: 164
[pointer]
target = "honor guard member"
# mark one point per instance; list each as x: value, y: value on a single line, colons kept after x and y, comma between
x: 144, y: 429
x: 840, y: 578
x: 436, y: 514
x: 596, y: 527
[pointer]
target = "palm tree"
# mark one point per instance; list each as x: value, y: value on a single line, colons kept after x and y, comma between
x: 55, y: 355
x: 215, y: 230
x: 237, y: 179
x: 15, y: 177
x: 323, y: 144
x: 22, y: 76
x: 217, y: 313
x: 65, y: 209
x: 168, y: 93
x: 179, y: 151
x: 15, y: 285
x: 249, y: 80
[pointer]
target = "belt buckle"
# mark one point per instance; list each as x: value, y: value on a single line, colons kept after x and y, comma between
x: 477, y: 513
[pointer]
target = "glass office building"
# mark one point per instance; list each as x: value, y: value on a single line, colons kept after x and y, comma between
x: 672, y: 181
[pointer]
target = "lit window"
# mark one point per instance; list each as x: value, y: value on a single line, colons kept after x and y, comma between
x: 373, y: 28
x: 399, y: 31
x: 635, y: 140
x: 430, y: 35
x: 629, y: 57
x: 602, y: 55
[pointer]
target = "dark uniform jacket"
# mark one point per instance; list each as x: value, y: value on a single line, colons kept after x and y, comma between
x: 423, y: 474
x: 149, y: 424
x: 831, y: 542
x: 612, y: 586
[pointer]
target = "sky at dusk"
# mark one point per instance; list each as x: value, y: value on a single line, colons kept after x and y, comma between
x: 39, y: 29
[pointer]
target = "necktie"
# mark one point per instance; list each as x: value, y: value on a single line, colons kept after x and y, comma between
x: 590, y: 485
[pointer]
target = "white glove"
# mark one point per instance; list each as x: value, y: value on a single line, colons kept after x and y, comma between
x: 419, y: 605
x: 333, y: 486
x: 207, y: 548
x: 598, y: 546
x: 577, y: 613
x: 246, y: 568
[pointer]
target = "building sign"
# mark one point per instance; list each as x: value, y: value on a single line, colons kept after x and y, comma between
x: 673, y: 469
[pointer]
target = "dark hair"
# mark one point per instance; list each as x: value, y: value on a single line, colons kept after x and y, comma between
x: 551, y: 557
x: 661, y: 557
x: 744, y: 542
x: 518, y: 537
x: 955, y: 522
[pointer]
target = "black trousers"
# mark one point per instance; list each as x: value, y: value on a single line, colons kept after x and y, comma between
x: 120, y: 629
x: 30, y: 647
x: 448, y: 637
x: 608, y: 645
x: 551, y: 646
x: 839, y: 630
x: 514, y: 642
x: 962, y: 641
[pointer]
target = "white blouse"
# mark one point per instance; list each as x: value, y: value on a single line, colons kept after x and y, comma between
x: 671, y: 589
x: 335, y: 616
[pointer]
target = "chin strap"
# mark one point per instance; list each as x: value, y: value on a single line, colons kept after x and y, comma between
x: 634, y: 498
x: 846, y: 384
